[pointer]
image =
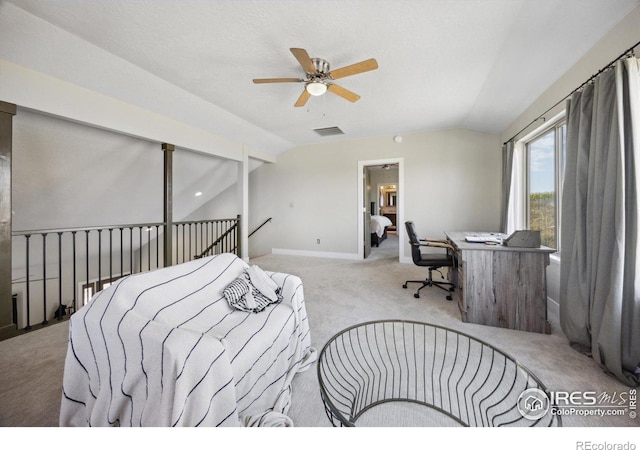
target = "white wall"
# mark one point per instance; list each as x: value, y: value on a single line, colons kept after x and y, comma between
x: 452, y: 182
x: 622, y: 37
x: 69, y: 175
x: 66, y: 174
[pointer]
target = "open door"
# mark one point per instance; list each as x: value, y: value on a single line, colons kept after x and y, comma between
x: 366, y: 212
x: 369, y: 202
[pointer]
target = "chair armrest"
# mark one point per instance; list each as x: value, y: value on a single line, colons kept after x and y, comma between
x: 439, y: 244
x: 444, y: 241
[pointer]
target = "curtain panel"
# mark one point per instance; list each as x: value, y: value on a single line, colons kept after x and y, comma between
x: 599, y: 270
x: 507, y: 170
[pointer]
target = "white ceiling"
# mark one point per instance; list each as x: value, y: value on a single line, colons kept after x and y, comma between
x: 473, y: 64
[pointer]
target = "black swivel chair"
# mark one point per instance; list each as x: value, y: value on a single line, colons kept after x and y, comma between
x: 433, y: 261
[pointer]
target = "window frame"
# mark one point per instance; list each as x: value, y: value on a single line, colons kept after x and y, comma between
x: 559, y: 162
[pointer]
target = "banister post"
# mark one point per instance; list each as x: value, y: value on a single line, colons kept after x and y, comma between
x: 238, y: 235
x: 243, y: 205
x: 168, y: 150
x: 7, y: 111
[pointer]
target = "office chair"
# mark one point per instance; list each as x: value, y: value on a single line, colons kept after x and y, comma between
x: 433, y: 261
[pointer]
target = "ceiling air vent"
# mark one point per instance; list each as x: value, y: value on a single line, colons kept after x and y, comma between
x: 329, y: 131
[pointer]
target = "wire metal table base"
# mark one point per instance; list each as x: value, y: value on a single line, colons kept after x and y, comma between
x: 466, y: 379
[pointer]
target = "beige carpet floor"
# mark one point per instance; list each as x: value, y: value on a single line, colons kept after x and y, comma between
x: 338, y: 294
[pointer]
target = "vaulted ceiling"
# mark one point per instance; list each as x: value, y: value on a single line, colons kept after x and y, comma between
x: 473, y: 64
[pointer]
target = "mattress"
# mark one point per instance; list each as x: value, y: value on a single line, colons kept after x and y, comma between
x: 379, y: 223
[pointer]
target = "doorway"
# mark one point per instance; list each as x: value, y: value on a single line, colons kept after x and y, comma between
x: 387, y: 202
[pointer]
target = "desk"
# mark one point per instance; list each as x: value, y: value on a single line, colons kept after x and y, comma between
x: 501, y: 286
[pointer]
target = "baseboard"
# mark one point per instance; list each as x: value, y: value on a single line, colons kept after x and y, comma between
x: 315, y: 254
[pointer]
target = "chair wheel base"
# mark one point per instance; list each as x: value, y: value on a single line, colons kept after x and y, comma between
x: 416, y: 295
x: 449, y: 298
x: 404, y: 285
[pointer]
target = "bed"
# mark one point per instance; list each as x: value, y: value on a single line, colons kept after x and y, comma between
x: 166, y: 348
x: 379, y: 226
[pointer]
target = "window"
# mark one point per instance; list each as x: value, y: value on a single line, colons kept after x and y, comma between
x: 87, y: 292
x: 102, y: 285
x: 545, y: 170
x: 91, y: 288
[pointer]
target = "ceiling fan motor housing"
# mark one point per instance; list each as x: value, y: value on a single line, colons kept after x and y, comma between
x: 321, y: 65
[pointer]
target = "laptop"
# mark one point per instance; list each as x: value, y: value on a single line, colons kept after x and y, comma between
x: 523, y: 238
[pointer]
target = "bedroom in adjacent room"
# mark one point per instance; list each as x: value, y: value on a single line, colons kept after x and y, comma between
x: 382, y: 190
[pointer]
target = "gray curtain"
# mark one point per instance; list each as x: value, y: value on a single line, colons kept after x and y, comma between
x: 507, y: 170
x: 599, y: 270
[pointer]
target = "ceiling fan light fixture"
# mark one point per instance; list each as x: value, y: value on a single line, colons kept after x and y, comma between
x: 316, y: 88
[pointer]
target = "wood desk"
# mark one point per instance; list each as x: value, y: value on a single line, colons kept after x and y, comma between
x: 501, y: 286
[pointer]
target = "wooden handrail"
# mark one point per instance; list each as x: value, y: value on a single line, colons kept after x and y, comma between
x: 208, y: 249
x: 113, y: 227
x: 92, y: 228
x: 217, y: 241
x: 260, y: 226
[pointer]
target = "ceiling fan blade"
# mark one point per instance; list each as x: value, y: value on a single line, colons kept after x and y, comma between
x: 277, y: 80
x: 342, y: 92
x: 303, y: 58
x: 302, y: 100
x: 363, y: 66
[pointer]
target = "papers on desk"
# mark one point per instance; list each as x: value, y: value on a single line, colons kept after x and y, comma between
x: 495, y: 238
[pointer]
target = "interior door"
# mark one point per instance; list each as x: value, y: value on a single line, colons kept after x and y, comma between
x: 367, y: 213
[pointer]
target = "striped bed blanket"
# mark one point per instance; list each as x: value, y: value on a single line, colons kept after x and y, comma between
x: 164, y: 348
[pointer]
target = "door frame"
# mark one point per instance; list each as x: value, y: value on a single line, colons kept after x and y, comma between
x: 361, y: 205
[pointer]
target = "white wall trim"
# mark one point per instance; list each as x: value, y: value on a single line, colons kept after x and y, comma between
x: 34, y: 90
x: 315, y: 254
x: 399, y: 217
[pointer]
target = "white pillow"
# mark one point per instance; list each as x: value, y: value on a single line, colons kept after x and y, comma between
x: 263, y: 282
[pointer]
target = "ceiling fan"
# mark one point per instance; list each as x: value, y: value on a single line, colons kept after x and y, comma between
x: 319, y: 77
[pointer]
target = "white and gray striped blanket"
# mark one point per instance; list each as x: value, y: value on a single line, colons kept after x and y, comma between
x: 164, y: 348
